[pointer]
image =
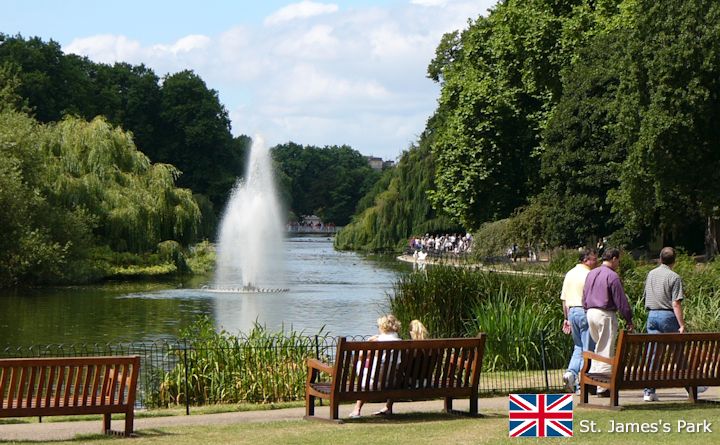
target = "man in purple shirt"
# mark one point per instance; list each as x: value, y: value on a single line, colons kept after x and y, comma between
x: 603, y: 296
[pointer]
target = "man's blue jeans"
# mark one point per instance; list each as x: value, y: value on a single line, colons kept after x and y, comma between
x: 581, y: 339
x: 660, y: 322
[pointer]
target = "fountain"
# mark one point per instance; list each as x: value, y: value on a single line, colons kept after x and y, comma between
x: 249, y: 250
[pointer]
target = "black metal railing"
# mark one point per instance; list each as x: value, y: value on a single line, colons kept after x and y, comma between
x: 173, y: 372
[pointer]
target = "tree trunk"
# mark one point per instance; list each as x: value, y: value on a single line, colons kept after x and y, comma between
x: 711, y: 238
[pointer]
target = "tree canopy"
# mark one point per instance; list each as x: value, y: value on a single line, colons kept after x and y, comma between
x: 327, y: 182
x: 71, y: 188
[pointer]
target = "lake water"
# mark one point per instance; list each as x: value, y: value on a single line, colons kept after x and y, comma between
x: 341, y: 291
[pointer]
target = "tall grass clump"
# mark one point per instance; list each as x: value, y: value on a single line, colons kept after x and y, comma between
x: 442, y: 297
x: 260, y: 367
x: 518, y: 330
x: 446, y: 298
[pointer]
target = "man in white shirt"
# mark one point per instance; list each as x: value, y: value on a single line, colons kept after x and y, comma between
x: 575, y: 322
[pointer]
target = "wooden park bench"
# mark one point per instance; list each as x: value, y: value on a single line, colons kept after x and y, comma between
x: 656, y: 361
x: 32, y: 387
x: 376, y: 371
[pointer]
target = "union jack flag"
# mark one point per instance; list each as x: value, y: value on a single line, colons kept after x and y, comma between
x: 541, y: 415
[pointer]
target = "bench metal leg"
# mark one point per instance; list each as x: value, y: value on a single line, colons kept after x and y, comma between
x: 106, y: 423
x: 309, y: 405
x: 473, y: 406
x: 129, y: 418
x: 334, y: 410
x: 449, y: 403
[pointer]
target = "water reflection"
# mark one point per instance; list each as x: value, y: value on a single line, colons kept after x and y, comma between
x: 342, y: 291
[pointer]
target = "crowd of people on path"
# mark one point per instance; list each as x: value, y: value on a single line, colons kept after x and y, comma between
x: 593, y: 297
x: 439, y: 244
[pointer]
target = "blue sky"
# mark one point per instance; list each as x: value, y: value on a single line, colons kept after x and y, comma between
x: 311, y: 72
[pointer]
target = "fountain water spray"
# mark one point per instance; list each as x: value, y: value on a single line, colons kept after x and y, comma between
x: 249, y: 251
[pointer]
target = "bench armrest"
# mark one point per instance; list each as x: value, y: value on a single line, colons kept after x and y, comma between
x: 313, y: 363
x: 600, y: 358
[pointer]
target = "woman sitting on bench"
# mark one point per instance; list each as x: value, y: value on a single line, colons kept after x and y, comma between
x: 388, y: 326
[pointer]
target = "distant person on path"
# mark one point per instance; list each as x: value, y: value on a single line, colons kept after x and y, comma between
x: 388, y: 327
x: 603, y: 295
x: 663, y: 300
x: 575, y: 322
x: 417, y: 332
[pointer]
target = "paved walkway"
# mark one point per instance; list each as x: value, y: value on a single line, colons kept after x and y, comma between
x: 68, y: 430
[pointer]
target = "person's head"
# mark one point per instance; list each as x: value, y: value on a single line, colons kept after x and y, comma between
x: 612, y: 257
x: 667, y: 256
x: 588, y: 257
x: 417, y: 330
x: 388, y: 324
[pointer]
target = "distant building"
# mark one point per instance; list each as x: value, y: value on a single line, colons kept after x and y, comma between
x: 375, y: 163
x: 388, y: 164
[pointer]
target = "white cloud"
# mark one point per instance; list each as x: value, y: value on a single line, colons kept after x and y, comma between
x: 105, y: 48
x: 353, y: 77
x: 303, y: 10
x: 184, y: 45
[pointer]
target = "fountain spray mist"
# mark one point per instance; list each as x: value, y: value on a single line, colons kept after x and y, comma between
x: 249, y: 251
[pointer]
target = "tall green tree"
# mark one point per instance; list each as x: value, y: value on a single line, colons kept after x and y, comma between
x: 96, y: 167
x: 38, y: 238
x: 54, y: 84
x: 501, y: 78
x: 196, y: 131
x: 581, y: 154
x: 397, y: 207
x: 328, y: 181
x: 129, y: 97
x: 669, y: 109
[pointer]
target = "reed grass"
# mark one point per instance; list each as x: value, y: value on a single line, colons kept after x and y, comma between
x: 260, y: 367
x: 520, y: 313
x: 520, y: 332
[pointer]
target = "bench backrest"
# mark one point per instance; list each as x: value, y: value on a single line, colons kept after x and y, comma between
x: 675, y: 356
x: 362, y: 366
x: 29, y: 384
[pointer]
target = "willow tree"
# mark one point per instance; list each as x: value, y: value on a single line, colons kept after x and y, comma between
x: 398, y: 206
x: 96, y: 167
x: 38, y: 239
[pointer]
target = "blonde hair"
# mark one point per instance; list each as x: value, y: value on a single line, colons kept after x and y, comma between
x: 418, y: 330
x: 388, y: 323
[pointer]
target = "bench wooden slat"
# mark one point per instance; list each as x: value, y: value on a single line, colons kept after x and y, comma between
x: 70, y: 386
x: 407, y: 370
x: 657, y: 361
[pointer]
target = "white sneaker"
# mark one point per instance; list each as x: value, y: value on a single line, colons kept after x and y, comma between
x: 650, y: 397
x: 569, y: 381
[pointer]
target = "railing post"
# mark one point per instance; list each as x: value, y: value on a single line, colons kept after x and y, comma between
x: 542, y: 353
x: 187, y: 393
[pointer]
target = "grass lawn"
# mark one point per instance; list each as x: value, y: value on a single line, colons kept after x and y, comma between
x: 430, y: 428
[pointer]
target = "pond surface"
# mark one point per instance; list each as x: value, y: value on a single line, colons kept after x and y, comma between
x: 341, y: 291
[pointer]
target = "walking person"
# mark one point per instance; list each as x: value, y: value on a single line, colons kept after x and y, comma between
x: 663, y: 299
x: 603, y: 296
x: 575, y: 321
